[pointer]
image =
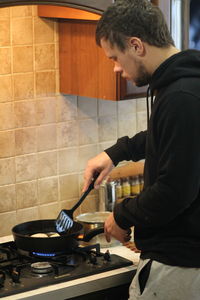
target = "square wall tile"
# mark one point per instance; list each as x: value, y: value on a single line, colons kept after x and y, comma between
x: 46, y: 137
x: 4, y: 12
x: 35, y: 10
x: 6, y: 93
x: 107, y: 128
x: 7, y: 143
x: 87, y: 107
x: 25, y: 141
x: 8, y: 220
x: 44, y: 57
x: 25, y: 113
x: 46, y: 110
x: 88, y: 131
x: 6, y: 116
x: 47, y: 164
x: 127, y: 125
x: 68, y: 187
x: 141, y: 104
x: 49, y: 211
x: 22, y: 27
x: 22, y: 59
x: 90, y: 204
x: 45, y: 83
x: 126, y: 107
x: 26, y: 194
x: 48, y: 190
x: 43, y: 30
x: 8, y: 198
x: 23, y: 86
x: 68, y: 160
x: 21, y: 11
x: 5, y: 61
x: 7, y: 171
x: 57, y: 82
x: 107, y: 108
x: 5, y: 31
x: 66, y: 108
x: 27, y: 214
x: 85, y: 153
x: 68, y: 134
x: 141, y: 121
x: 26, y: 167
x: 56, y: 55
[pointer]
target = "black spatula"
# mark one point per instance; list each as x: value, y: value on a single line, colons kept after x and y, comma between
x: 64, y: 220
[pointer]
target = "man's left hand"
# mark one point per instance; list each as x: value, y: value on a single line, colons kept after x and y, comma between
x: 111, y: 229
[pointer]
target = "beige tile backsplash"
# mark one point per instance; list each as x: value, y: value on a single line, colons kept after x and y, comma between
x: 46, y: 138
x: 5, y: 60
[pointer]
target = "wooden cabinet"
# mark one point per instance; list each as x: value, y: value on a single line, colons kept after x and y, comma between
x: 84, y: 68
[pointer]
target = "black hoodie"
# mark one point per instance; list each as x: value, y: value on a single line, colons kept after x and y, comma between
x: 166, y: 214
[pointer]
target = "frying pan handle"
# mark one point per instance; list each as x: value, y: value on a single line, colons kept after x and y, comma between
x: 92, y: 233
x: 84, y: 195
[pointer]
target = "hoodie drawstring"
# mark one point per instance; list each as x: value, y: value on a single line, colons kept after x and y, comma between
x: 151, y: 94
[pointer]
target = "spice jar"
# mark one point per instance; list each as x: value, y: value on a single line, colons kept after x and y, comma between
x: 126, y: 187
x: 135, y: 185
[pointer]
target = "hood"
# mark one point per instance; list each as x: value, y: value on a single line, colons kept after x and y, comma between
x: 183, y: 64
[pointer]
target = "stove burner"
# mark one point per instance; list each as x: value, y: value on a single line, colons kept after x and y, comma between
x: 41, y: 267
x: 44, y: 254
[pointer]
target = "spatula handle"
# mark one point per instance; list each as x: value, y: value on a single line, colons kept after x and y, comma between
x: 84, y: 195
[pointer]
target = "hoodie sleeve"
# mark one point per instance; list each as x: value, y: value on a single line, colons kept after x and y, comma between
x: 128, y: 148
x: 176, y: 132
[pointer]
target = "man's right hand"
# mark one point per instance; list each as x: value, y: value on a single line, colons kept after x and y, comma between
x: 101, y: 164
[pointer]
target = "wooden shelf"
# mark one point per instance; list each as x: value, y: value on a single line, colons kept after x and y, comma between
x: 130, y: 169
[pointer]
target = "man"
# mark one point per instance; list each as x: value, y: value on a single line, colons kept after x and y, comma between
x: 166, y: 214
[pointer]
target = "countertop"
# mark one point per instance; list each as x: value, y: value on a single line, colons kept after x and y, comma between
x: 82, y: 286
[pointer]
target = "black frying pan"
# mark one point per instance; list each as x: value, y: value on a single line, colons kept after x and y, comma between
x: 66, y: 242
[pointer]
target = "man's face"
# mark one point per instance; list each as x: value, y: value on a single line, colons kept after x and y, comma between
x: 127, y: 63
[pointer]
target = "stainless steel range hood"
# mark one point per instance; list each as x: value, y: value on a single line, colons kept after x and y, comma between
x: 96, y: 6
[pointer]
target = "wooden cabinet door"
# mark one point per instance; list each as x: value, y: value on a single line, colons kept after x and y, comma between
x: 84, y: 68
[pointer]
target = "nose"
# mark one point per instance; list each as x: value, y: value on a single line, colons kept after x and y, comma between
x: 117, y: 68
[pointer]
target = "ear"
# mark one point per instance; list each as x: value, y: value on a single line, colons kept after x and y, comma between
x: 137, y: 46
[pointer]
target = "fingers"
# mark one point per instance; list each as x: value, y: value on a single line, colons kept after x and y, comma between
x: 107, y: 235
x: 127, y: 237
x: 132, y: 246
x: 100, y: 178
x: 101, y: 164
x: 111, y: 229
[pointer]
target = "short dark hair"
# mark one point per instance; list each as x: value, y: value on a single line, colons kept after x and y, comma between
x: 138, y: 18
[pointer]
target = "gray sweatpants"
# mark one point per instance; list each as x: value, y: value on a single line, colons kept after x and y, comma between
x: 166, y: 282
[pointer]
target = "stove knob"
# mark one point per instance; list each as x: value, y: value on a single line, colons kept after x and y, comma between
x: 2, y: 279
x: 15, y: 275
x: 107, y: 256
x: 93, y: 259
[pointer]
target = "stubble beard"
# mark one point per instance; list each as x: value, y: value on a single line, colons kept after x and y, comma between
x: 143, y: 77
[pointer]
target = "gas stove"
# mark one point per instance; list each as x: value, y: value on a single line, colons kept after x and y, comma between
x: 22, y: 271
